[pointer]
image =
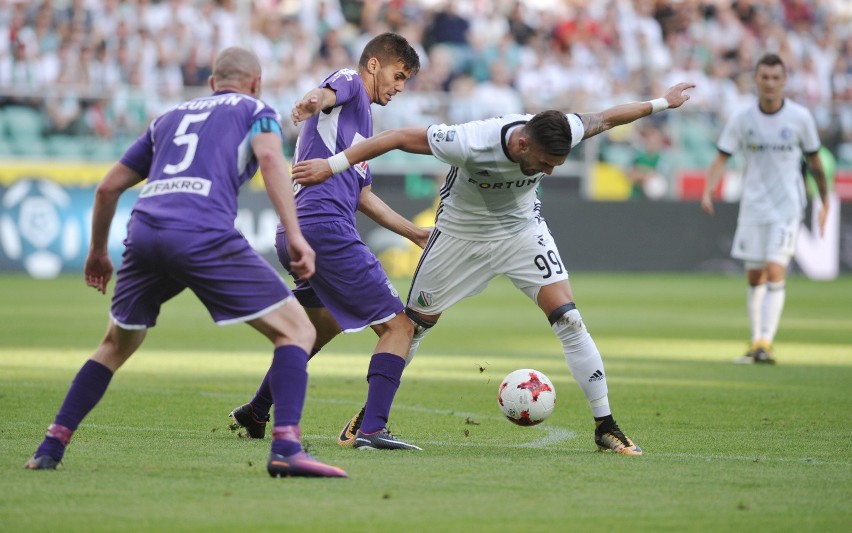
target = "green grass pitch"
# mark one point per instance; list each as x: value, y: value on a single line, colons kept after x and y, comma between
x: 728, y: 447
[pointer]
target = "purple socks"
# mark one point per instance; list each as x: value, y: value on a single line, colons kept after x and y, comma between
x: 383, y: 378
x: 262, y: 401
x: 288, y: 382
x: 86, y: 391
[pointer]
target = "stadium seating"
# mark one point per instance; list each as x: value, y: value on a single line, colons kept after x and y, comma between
x: 23, y: 128
x: 66, y: 146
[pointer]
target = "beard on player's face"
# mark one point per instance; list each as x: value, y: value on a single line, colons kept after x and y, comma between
x: 533, y: 160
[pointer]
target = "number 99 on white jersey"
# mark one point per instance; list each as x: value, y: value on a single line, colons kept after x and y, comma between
x: 452, y: 269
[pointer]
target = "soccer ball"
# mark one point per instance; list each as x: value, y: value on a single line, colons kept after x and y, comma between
x: 526, y: 397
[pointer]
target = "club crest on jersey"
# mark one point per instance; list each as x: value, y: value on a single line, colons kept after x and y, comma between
x: 424, y: 299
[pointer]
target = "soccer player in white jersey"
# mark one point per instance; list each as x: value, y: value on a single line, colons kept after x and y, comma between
x: 772, y: 135
x: 489, y: 223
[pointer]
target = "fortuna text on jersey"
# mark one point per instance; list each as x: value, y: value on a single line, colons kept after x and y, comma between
x: 508, y: 184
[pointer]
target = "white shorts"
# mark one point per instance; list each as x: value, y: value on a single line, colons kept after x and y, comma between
x: 765, y: 242
x: 452, y: 269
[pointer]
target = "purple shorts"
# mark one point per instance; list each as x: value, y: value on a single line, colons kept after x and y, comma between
x: 349, y: 281
x: 229, y: 277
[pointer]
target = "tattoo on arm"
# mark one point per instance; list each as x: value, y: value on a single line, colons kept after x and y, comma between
x: 593, y: 124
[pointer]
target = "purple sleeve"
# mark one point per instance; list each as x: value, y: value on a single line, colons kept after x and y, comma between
x: 139, y: 155
x: 345, y: 83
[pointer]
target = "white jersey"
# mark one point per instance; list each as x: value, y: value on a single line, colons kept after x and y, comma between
x: 486, y: 196
x: 772, y: 145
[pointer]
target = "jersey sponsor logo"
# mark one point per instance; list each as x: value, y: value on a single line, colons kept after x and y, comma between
x: 786, y: 134
x: 361, y: 170
x: 770, y: 147
x: 516, y: 184
x: 199, y: 186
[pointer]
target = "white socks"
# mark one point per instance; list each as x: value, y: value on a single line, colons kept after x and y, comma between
x: 773, y: 305
x: 756, y: 295
x: 584, y: 360
x: 765, y: 305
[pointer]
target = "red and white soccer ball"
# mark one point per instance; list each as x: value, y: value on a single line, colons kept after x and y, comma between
x: 526, y: 397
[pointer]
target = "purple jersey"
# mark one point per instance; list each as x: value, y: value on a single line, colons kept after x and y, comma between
x: 349, y: 280
x: 181, y: 233
x: 325, y: 134
x: 196, y: 156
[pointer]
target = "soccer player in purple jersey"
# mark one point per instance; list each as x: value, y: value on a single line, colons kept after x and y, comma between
x: 350, y: 290
x: 181, y: 234
x: 489, y: 223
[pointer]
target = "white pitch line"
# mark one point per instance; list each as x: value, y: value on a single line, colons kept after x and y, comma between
x: 554, y: 436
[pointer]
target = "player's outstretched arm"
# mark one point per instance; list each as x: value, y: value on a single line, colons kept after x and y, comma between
x: 599, y: 122
x: 267, y: 148
x: 312, y: 103
x: 98, y: 269
x: 385, y: 216
x: 313, y: 171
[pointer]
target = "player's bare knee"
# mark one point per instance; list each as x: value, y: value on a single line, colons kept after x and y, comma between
x: 401, y: 325
x: 775, y: 272
x: 756, y: 276
x: 118, y: 345
x: 304, y: 335
x: 301, y: 333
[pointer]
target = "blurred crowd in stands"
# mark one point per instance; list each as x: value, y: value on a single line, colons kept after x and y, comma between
x: 104, y: 68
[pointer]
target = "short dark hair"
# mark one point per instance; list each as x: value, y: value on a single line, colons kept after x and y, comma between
x: 550, y: 130
x: 389, y: 48
x: 770, y: 60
